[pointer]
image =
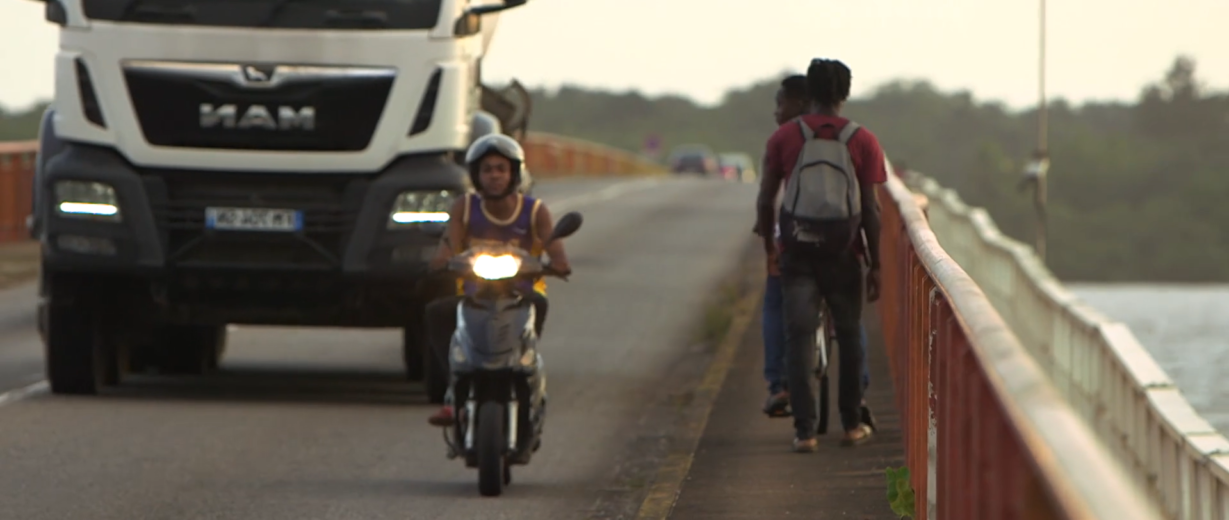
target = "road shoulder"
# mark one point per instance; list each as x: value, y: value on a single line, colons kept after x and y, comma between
x: 19, y: 262
x: 744, y: 467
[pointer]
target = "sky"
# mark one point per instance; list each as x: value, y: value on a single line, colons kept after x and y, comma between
x: 1097, y: 49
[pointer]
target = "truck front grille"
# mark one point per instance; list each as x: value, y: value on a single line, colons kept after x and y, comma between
x: 329, y: 205
x: 257, y: 107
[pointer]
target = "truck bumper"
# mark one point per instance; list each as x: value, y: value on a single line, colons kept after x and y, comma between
x: 345, y: 248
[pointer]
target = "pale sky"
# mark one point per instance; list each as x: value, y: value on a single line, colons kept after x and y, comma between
x: 1098, y: 49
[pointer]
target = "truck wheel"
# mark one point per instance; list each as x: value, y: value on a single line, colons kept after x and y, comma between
x: 435, y: 378
x: 219, y: 348
x: 413, y: 351
x: 77, y: 360
x: 112, y: 353
x: 190, y: 349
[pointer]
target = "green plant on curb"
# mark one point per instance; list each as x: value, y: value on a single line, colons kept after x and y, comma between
x: 900, y: 492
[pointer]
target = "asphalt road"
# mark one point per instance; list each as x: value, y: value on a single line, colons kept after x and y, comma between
x: 319, y: 424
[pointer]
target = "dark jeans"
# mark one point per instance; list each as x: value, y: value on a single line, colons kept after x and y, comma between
x: 442, y: 322
x: 774, y: 340
x: 805, y: 284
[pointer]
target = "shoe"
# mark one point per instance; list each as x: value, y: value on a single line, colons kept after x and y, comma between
x: 443, y: 417
x: 868, y: 418
x: 778, y: 405
x: 806, y: 445
x: 856, y: 436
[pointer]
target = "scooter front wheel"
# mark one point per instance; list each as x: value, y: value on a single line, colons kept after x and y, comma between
x: 492, y: 470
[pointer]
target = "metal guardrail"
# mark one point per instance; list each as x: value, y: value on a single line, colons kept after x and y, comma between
x: 552, y: 155
x: 1096, y: 363
x: 16, y: 175
x: 987, y: 435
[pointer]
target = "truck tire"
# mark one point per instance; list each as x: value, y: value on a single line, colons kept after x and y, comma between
x: 435, y: 380
x: 413, y: 351
x: 76, y: 357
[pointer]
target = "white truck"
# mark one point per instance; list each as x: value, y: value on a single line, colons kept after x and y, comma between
x: 271, y: 162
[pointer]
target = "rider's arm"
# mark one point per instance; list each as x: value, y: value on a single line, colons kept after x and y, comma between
x: 545, y: 225
x: 873, y: 171
x: 455, y: 236
x: 871, y: 223
x: 770, y: 183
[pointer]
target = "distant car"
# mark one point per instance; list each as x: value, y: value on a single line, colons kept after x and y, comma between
x: 694, y: 158
x: 738, y: 166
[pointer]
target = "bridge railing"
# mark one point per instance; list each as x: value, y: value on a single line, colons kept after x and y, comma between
x: 1096, y: 363
x: 548, y: 156
x: 16, y: 175
x: 987, y: 434
x: 553, y: 155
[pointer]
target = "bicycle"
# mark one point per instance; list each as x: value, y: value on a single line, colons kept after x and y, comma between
x: 825, y: 338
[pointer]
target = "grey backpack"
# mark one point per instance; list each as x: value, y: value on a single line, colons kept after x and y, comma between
x: 821, y: 210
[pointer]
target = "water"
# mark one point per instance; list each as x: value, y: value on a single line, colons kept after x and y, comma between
x: 1184, y: 327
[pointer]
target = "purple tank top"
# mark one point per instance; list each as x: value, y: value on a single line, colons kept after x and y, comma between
x: 518, y: 231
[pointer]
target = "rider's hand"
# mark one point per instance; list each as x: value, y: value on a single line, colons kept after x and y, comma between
x: 872, y: 285
x: 774, y: 268
x: 561, y: 266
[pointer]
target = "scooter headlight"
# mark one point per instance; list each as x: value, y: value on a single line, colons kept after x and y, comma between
x: 496, y: 267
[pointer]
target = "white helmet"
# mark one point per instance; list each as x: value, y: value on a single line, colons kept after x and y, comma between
x: 502, y: 145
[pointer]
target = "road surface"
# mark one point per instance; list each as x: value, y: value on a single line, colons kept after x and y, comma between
x: 319, y: 424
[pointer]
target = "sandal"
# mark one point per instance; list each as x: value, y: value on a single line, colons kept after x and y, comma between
x: 806, y: 445
x: 777, y: 405
x: 859, y: 435
x: 868, y: 418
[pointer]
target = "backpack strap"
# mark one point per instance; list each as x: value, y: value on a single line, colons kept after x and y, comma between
x: 847, y: 132
x: 807, y: 133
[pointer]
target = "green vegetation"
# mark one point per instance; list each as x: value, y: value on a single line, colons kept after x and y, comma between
x: 1134, y: 188
x: 900, y: 492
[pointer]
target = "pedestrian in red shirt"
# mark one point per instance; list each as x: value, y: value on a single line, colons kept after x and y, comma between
x: 835, y: 276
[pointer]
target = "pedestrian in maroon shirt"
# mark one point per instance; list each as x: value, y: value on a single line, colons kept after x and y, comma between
x: 837, y: 280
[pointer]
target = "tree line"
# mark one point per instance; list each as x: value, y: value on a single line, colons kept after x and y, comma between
x: 1135, y: 189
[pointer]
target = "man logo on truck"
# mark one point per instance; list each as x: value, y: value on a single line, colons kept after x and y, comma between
x: 256, y: 74
x: 258, y: 116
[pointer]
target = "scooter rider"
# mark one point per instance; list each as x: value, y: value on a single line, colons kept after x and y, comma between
x: 495, y: 214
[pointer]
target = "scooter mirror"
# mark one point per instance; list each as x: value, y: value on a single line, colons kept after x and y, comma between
x: 568, y: 224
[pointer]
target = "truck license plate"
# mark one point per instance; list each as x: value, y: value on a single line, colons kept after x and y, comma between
x: 253, y: 219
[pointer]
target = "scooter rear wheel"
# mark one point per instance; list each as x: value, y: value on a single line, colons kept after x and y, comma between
x: 491, y: 460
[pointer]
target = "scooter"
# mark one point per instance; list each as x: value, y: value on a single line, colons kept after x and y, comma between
x: 497, y: 374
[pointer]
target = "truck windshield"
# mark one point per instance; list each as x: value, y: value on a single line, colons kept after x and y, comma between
x: 280, y: 14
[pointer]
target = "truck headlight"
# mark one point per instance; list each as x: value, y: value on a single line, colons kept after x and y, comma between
x: 88, y: 200
x: 417, y: 207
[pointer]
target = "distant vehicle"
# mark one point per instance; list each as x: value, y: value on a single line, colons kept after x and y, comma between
x: 738, y: 166
x: 694, y: 158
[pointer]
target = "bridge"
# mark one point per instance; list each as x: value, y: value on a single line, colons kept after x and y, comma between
x: 1015, y: 400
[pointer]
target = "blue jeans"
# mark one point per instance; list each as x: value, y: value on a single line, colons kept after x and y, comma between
x: 774, y: 340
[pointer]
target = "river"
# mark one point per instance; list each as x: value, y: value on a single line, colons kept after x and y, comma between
x: 1184, y: 327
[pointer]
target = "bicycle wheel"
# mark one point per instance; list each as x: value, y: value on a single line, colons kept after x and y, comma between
x: 825, y: 338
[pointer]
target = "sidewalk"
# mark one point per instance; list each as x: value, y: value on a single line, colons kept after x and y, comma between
x: 745, y: 469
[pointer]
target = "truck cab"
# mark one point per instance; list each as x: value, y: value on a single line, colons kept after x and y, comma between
x: 266, y: 162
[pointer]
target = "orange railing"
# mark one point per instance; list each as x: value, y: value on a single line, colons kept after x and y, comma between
x: 551, y: 155
x: 548, y: 156
x: 16, y: 175
x: 986, y: 433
